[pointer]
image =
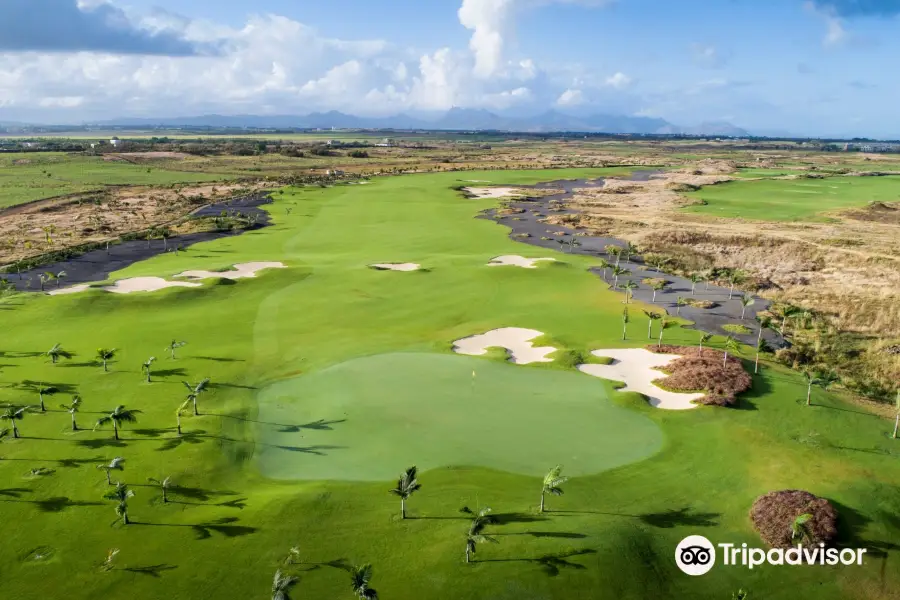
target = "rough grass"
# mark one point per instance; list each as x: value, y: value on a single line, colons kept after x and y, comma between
x: 773, y: 514
x: 737, y: 328
x: 692, y: 372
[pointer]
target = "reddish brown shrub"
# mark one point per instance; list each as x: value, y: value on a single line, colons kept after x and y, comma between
x: 773, y: 514
x: 692, y: 372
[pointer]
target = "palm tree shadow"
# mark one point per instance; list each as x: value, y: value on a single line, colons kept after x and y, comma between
x: 316, y: 450
x: 176, y: 372
x: 509, y: 518
x: 193, y: 437
x: 200, y: 494
x: 60, y: 503
x: 220, y: 359
x: 232, y: 385
x: 101, y: 443
x: 552, y: 564
x: 203, y: 531
x: 680, y: 517
x: 14, y: 492
x: 151, y: 570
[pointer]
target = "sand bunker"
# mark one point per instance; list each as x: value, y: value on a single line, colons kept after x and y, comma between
x: 516, y: 261
x: 637, y: 368
x: 492, y: 192
x: 74, y: 289
x: 240, y: 271
x: 397, y: 266
x: 515, y: 339
x: 144, y: 284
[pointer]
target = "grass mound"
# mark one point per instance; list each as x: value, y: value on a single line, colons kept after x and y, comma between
x: 695, y: 303
x: 721, y: 380
x: 737, y: 328
x: 774, y: 513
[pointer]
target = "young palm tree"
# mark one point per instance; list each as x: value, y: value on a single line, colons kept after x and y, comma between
x: 799, y: 530
x: 827, y: 379
x: 180, y: 413
x: 105, y: 355
x: 736, y: 277
x: 681, y: 302
x: 117, y: 417
x: 407, y: 485
x: 45, y: 277
x: 45, y: 390
x: 741, y: 594
x: 116, y: 464
x: 13, y: 414
x: 764, y: 323
x: 173, y: 346
x: 60, y: 276
x: 616, y: 251
x: 731, y: 346
x: 617, y: 271
x: 708, y: 276
x: 630, y: 249
x: 72, y: 408
x: 57, y: 352
x: 605, y: 265
x: 195, y: 391
x: 658, y: 286
x: 625, y: 323
x: 811, y: 380
x: 787, y: 312
x: 360, y: 578
x: 164, y: 485
x: 629, y: 287
x: 746, y: 302
x: 704, y: 339
x: 761, y: 346
x: 121, y: 494
x: 663, y: 325
x: 660, y: 263
x: 281, y: 584
x: 552, y: 481
x: 146, y: 365
x: 651, y: 316
x: 897, y: 418
x: 695, y: 279
x: 476, y: 534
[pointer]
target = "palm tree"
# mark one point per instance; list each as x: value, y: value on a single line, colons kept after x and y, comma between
x: 658, y: 286
x: 57, y: 352
x: 746, y: 302
x: 799, y: 530
x: 614, y: 250
x: 164, y: 485
x: 731, y: 346
x: 617, y: 271
x: 72, y: 408
x: 407, y: 485
x: 786, y: 312
x: 827, y: 379
x: 605, y: 265
x: 652, y: 316
x: 13, y: 414
x: 195, y: 391
x: 630, y: 249
x: 663, y: 325
x: 475, y: 535
x: 704, y: 339
x: 573, y: 242
x: 681, y: 302
x: 736, y: 277
x: 105, y: 355
x: 695, y: 279
x: 625, y: 323
x: 116, y: 464
x: 810, y: 382
x: 629, y: 287
x: 174, y: 345
x: 121, y: 494
x: 145, y: 367
x: 118, y: 416
x: 764, y: 323
x: 552, y: 481
x: 897, y: 418
x: 60, y: 276
x: 741, y: 594
x: 708, y: 276
x: 360, y: 578
x: 281, y: 584
x: 761, y: 346
x: 42, y: 390
x: 180, y: 412
x: 661, y: 262
x: 45, y: 277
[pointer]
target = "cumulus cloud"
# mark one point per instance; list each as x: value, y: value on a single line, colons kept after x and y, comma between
x: 849, y: 9
x: 69, y: 25
x: 619, y: 81
x: 570, y: 97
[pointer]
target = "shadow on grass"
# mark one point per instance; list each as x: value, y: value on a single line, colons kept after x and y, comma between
x: 680, y: 517
x: 14, y: 492
x: 176, y: 372
x: 232, y: 385
x: 320, y: 425
x: 51, y: 505
x: 551, y: 564
x: 151, y: 570
x: 224, y: 526
x: 220, y: 359
x: 199, y: 493
x: 563, y: 535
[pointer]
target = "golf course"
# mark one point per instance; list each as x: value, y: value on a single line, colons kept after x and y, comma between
x: 328, y: 378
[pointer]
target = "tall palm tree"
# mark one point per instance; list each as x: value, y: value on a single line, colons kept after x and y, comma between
x: 663, y: 325
x: 194, y: 392
x: 736, y: 277
x: 173, y: 346
x: 681, y: 302
x: 42, y: 390
x: 164, y: 485
x: 799, y: 529
x: 746, y: 302
x: 117, y: 417
x: 57, y: 352
x: 764, y: 323
x: 625, y: 320
x: 651, y: 316
x: 180, y: 413
x: 811, y: 380
x: 629, y: 287
x: 658, y: 286
x: 897, y: 418
x: 72, y: 408
x: 630, y: 249
x: 695, y: 279
x: 552, y: 482
x: 476, y: 534
x: 116, y: 464
x: 704, y: 339
x: 708, y: 276
x: 360, y: 578
x: 605, y: 265
x: 146, y: 366
x: 618, y: 271
x: 13, y: 414
x: 614, y: 250
x: 407, y: 485
x: 121, y: 494
x: 281, y: 584
x: 731, y: 346
x: 761, y: 346
x: 105, y: 355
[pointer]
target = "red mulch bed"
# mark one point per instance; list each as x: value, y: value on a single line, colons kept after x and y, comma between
x: 692, y: 372
x: 773, y: 513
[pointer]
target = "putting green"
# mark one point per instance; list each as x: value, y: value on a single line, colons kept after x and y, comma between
x: 369, y: 418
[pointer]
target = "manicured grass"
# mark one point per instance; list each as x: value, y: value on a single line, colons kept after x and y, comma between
x: 32, y: 176
x: 611, y: 536
x: 797, y: 199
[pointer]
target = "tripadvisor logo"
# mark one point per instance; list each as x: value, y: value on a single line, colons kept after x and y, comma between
x: 696, y: 555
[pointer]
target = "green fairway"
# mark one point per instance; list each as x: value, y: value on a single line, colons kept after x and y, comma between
x: 32, y: 176
x: 792, y: 199
x: 329, y: 378
x: 368, y: 404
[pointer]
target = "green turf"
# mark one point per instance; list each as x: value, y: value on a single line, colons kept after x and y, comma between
x: 370, y: 403
x: 794, y: 199
x: 611, y: 536
x: 32, y: 176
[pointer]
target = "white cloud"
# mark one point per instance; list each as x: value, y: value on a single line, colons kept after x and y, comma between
x: 570, y: 97
x: 619, y: 81
x: 835, y: 33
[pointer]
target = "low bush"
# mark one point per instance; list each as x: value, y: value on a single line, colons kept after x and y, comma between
x: 774, y: 513
x: 720, y: 380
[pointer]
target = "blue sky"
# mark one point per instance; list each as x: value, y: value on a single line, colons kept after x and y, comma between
x: 817, y: 67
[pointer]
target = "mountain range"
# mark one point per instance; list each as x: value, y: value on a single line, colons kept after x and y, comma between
x: 457, y: 119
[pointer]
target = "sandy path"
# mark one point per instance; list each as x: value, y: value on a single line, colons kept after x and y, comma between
x: 397, y: 266
x: 240, y: 271
x: 637, y: 368
x: 514, y: 260
x: 515, y: 339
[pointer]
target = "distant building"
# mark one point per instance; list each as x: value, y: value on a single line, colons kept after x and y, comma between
x: 385, y: 143
x: 334, y: 172
x: 114, y: 141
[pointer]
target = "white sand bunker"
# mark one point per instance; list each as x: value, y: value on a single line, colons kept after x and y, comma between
x: 515, y: 339
x: 72, y: 289
x: 516, y: 261
x: 240, y: 271
x: 492, y: 192
x: 636, y: 367
x: 144, y: 284
x: 397, y: 266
